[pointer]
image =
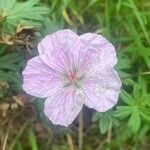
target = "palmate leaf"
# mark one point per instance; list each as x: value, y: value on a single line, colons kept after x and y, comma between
x: 123, y: 62
x: 126, y: 80
x: 134, y: 121
x: 8, y: 62
x: 11, y: 77
x: 137, y: 106
x: 9, y: 67
x: 123, y: 111
x: 2, y: 48
x: 7, y: 5
x: 105, y: 120
x: 133, y: 113
x: 26, y: 13
x: 104, y: 124
x: 145, y: 113
x: 12, y: 57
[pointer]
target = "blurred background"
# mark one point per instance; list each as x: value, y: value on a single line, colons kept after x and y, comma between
x: 126, y: 23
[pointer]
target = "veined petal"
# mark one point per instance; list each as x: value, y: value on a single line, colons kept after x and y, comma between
x: 102, y: 89
x: 39, y: 80
x: 94, y: 49
x: 63, y: 108
x: 56, y: 49
x: 66, y: 63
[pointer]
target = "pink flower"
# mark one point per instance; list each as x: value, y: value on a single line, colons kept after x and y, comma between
x: 70, y: 71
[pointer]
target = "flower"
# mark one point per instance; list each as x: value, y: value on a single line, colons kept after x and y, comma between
x: 70, y: 71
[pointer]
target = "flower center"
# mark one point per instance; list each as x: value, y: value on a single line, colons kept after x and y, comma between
x: 72, y: 76
x: 73, y: 79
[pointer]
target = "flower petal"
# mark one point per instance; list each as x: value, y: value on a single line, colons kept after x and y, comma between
x: 63, y: 108
x: 102, y: 89
x: 93, y: 50
x: 39, y: 80
x: 56, y: 49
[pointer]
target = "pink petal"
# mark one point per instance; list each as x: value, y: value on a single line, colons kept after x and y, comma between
x: 94, y: 49
x: 39, y: 80
x: 56, y: 49
x: 102, y: 89
x: 63, y: 108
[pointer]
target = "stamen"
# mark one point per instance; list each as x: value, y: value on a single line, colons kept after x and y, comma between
x: 73, y: 79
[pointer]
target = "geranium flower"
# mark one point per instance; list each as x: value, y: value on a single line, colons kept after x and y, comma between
x: 70, y: 71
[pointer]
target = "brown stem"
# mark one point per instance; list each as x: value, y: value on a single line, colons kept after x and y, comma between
x: 7, y: 135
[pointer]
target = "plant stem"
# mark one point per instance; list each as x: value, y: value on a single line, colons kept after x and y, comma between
x: 7, y: 135
x: 135, y: 75
x: 80, y: 131
x: 70, y: 142
x: 109, y: 133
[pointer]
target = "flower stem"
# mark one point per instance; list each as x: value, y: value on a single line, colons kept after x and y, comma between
x: 80, y: 131
x: 109, y: 133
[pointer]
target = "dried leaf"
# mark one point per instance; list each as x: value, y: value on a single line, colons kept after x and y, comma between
x: 19, y: 100
x: 4, y: 108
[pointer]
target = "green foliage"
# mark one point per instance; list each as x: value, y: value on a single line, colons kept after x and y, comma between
x: 106, y: 120
x: 126, y: 25
x: 32, y: 139
x: 52, y: 25
x: 28, y: 13
x: 10, y: 65
x: 140, y: 18
x: 137, y: 106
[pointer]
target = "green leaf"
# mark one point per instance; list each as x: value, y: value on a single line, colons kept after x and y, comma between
x: 6, y: 4
x: 123, y: 74
x: 136, y: 91
x: 32, y: 140
x: 128, y: 82
x: 2, y: 49
x: 12, y: 57
x: 7, y: 66
x: 95, y: 117
x: 39, y: 105
x: 139, y: 17
x: 115, y: 121
x: 145, y: 113
x: 52, y: 25
x: 104, y: 124
x: 127, y: 98
x: 19, y: 145
x: 10, y: 76
x: 1, y: 93
x: 27, y: 13
x: 134, y: 121
x: 123, y: 111
x: 123, y: 63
